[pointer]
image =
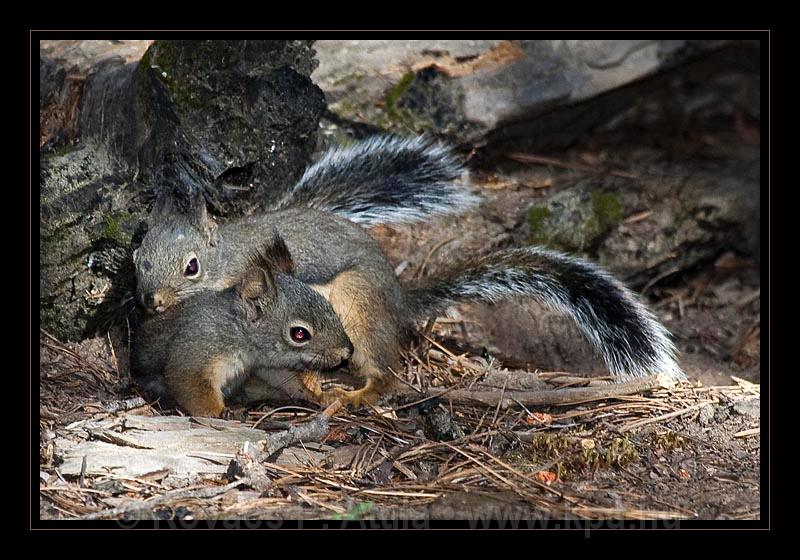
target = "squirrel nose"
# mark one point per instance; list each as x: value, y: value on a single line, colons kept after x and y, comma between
x: 343, y: 364
x: 159, y: 302
x: 154, y: 301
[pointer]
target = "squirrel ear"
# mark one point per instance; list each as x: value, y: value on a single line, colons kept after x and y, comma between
x: 200, y: 218
x: 256, y: 282
x: 211, y: 231
x: 276, y: 254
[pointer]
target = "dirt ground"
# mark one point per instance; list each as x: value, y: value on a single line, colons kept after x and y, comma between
x: 683, y: 453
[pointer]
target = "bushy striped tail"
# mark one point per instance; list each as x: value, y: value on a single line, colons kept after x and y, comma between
x: 384, y: 180
x: 631, y: 340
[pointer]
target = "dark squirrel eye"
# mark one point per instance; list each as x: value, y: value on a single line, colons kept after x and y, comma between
x: 192, y: 268
x: 299, y: 334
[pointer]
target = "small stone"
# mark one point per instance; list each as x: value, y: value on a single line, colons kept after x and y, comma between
x: 706, y: 415
x: 110, y: 485
x: 428, y: 470
x: 440, y: 425
x: 749, y: 407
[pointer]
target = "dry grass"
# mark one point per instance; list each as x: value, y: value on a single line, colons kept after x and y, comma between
x: 404, y: 459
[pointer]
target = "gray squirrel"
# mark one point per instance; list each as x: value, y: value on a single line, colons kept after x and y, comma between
x: 381, y: 180
x: 268, y: 323
x: 394, y: 181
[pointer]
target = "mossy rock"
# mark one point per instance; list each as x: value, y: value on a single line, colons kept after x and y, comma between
x: 574, y: 220
x: 433, y: 102
x: 416, y: 103
x: 387, y: 113
x: 116, y: 227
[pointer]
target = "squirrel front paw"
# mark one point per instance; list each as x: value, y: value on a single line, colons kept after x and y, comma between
x: 326, y: 388
x: 368, y: 395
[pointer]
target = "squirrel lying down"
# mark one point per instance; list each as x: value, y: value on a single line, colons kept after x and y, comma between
x: 386, y: 180
x: 268, y: 324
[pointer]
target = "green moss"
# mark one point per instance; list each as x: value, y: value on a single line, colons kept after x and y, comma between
x: 668, y: 441
x: 618, y: 453
x: 607, y: 209
x: 389, y: 114
x: 392, y: 111
x: 162, y: 58
x: 113, y: 227
x: 537, y: 218
x: 358, y: 512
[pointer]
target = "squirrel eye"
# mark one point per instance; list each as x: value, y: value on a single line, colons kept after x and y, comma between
x: 299, y: 335
x: 192, y: 268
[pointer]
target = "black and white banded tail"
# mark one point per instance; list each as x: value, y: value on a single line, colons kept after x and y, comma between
x: 631, y: 340
x: 384, y: 180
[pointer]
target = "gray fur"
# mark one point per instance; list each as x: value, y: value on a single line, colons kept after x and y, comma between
x: 384, y: 180
x: 631, y: 340
x: 325, y: 245
x: 315, y: 240
x: 249, y: 330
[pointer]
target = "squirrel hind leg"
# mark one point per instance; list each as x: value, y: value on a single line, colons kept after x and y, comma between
x: 372, y: 329
x: 199, y: 391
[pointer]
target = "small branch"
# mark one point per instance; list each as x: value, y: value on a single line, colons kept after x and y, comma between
x: 123, y: 405
x: 314, y: 430
x: 404, y: 382
x: 747, y: 433
x: 669, y: 416
x: 247, y: 465
x: 431, y: 253
x: 557, y: 396
x: 542, y: 160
